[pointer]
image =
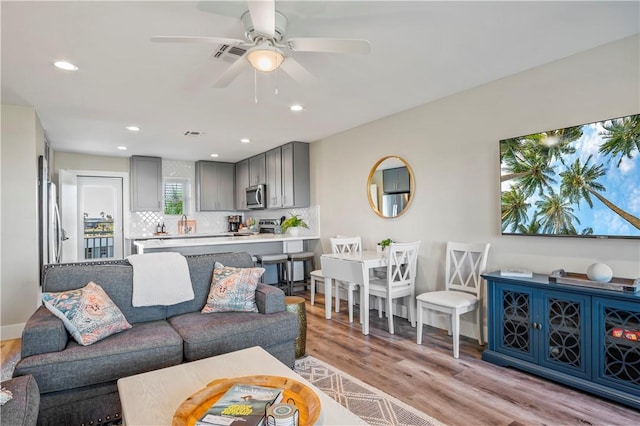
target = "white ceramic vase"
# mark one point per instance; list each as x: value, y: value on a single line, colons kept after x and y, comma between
x: 294, y: 231
x: 599, y: 272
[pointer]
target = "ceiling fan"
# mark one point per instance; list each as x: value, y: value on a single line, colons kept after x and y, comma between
x: 265, y: 46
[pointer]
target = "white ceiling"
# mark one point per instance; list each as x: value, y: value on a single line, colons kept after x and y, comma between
x: 420, y: 51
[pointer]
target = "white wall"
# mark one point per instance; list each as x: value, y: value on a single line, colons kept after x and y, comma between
x: 22, y: 143
x: 452, y: 146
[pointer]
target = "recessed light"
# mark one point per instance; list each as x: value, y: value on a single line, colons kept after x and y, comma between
x: 296, y: 108
x: 245, y: 140
x: 215, y: 155
x: 133, y: 128
x: 122, y: 148
x: 64, y: 65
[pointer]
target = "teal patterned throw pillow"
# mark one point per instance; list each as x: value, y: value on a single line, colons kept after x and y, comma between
x: 233, y: 289
x: 88, y: 313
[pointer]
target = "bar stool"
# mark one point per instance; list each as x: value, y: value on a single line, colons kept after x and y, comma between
x: 280, y: 260
x: 308, y: 259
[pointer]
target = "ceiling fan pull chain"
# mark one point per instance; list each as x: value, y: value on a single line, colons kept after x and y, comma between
x: 275, y: 74
x: 255, y: 86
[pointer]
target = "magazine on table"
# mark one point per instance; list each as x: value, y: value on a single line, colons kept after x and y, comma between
x: 242, y: 404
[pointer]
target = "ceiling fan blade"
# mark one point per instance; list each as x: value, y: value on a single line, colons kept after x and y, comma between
x: 263, y: 16
x: 298, y: 72
x: 232, y: 72
x: 329, y: 45
x: 196, y: 39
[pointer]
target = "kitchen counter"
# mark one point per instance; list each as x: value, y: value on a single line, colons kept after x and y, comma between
x: 220, y: 242
x: 173, y: 236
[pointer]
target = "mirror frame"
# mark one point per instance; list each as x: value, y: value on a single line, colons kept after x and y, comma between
x: 412, y: 183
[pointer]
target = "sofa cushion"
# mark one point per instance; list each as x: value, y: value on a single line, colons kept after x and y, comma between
x: 144, y: 347
x: 233, y: 289
x: 88, y: 313
x: 43, y: 333
x: 201, y: 271
x: 217, y: 333
x: 115, y: 279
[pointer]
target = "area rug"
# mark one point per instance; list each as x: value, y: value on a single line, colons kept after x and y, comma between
x: 370, y: 404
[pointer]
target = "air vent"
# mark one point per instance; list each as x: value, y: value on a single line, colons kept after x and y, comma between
x: 193, y: 133
x: 228, y: 53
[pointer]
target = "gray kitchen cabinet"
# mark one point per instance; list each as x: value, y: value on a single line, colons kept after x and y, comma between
x: 274, y: 178
x: 296, y: 187
x: 214, y: 186
x: 396, y: 180
x: 242, y: 182
x: 145, y: 183
x: 257, y: 169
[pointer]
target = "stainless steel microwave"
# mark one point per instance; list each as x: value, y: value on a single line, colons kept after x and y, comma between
x: 256, y: 197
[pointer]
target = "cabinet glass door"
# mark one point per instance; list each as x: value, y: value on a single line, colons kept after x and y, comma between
x: 617, y: 344
x: 565, y: 332
x: 515, y: 316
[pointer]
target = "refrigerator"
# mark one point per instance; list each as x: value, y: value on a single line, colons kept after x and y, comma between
x: 51, y: 234
x: 393, y: 204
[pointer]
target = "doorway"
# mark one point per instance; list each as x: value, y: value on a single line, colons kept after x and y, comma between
x: 100, y: 210
x: 92, y: 215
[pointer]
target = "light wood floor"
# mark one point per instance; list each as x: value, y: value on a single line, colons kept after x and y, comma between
x: 466, y: 391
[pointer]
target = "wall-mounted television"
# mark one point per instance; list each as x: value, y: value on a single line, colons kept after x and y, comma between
x: 580, y: 181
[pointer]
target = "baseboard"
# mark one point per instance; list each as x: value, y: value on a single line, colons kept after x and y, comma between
x: 14, y: 331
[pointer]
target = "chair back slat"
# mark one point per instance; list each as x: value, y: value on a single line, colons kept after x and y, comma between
x: 464, y: 265
x: 346, y: 245
x: 402, y: 259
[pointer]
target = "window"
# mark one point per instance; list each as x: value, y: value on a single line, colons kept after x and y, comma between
x: 176, y: 196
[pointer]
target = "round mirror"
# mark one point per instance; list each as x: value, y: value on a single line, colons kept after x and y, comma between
x: 390, y: 187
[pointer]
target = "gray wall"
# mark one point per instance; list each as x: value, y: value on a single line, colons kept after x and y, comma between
x: 22, y: 143
x: 452, y: 146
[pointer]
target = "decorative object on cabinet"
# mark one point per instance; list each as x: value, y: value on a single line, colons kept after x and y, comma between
x: 599, y: 272
x: 614, y: 284
x: 390, y: 186
x: 146, y: 183
x: 464, y: 265
x: 400, y: 282
x: 571, y: 334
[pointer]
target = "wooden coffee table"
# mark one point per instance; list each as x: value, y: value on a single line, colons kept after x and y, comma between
x: 152, y: 398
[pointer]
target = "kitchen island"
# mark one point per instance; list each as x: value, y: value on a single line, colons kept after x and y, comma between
x: 223, y: 243
x: 252, y: 244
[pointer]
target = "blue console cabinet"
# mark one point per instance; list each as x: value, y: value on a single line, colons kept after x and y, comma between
x: 581, y: 337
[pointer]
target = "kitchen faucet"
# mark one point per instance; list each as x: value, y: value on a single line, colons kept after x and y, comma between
x: 185, y: 227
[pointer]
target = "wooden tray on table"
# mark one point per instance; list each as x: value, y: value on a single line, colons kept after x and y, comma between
x: 197, y: 404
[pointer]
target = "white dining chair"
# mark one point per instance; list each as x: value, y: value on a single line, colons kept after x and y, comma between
x: 346, y: 245
x: 402, y: 259
x: 464, y: 265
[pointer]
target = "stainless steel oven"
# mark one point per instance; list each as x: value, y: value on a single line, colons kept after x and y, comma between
x: 256, y: 197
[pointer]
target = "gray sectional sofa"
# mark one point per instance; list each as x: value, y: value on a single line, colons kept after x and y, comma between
x: 78, y: 383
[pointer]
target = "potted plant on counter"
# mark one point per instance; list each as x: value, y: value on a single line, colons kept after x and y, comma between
x: 292, y: 224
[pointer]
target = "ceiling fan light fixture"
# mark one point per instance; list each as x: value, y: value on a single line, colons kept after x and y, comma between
x: 265, y: 58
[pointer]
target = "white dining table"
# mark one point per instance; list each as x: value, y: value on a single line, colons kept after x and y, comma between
x: 353, y: 268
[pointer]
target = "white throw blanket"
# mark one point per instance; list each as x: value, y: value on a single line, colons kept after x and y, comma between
x: 160, y: 279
